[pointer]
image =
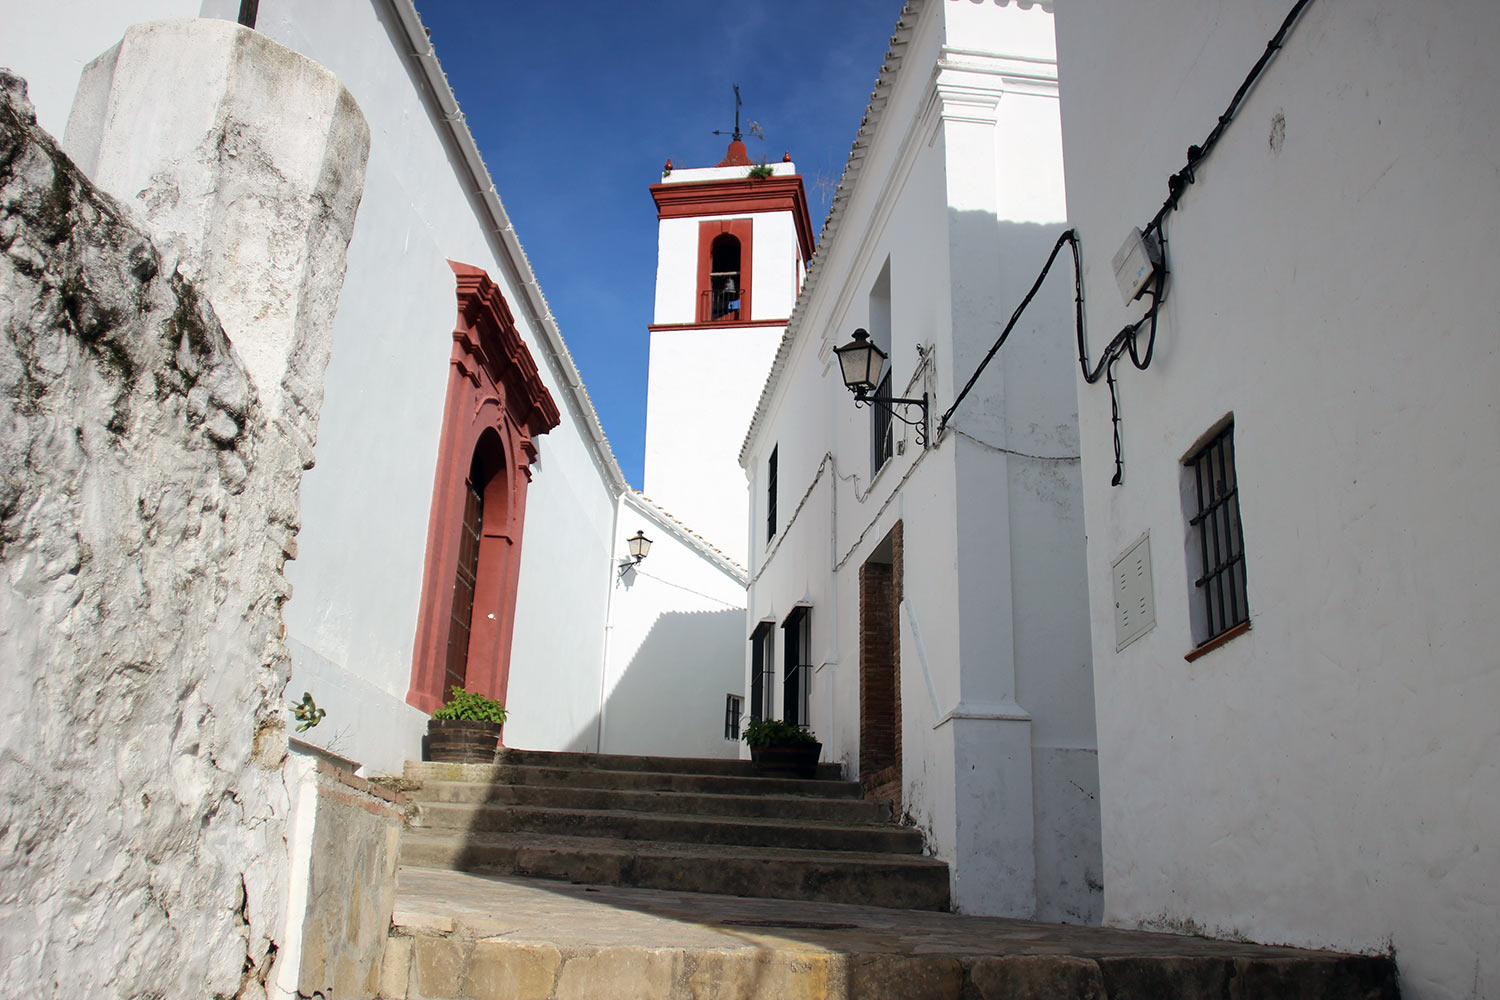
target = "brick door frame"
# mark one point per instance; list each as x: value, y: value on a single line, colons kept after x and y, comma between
x: 880, y: 589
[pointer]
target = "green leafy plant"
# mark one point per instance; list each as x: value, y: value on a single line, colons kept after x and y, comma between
x: 470, y: 706
x: 760, y: 171
x: 307, y: 712
x: 763, y: 733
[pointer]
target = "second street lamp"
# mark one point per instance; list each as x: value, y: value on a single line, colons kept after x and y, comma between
x: 860, y: 364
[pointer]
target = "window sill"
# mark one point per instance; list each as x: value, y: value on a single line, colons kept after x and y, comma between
x: 1218, y: 640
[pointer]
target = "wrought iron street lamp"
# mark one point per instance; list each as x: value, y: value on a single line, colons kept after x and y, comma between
x: 639, y: 545
x: 860, y: 364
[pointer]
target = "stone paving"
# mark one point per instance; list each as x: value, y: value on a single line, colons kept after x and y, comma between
x: 459, y: 935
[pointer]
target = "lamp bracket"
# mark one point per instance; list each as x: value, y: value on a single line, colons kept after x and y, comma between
x: 889, y: 404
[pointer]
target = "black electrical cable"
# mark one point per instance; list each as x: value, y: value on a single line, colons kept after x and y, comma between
x: 1178, y: 182
x: 1014, y: 317
x: 1125, y: 342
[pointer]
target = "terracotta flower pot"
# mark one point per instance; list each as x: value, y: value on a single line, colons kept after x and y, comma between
x: 462, y: 741
x: 798, y: 761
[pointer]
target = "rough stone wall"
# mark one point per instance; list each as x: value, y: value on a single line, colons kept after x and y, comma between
x: 145, y: 510
x: 352, y: 885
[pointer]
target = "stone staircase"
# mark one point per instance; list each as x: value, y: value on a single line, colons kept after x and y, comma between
x: 687, y: 825
x: 557, y: 876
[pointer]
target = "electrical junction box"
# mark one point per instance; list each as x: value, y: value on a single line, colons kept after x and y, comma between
x: 1135, y: 604
x: 1135, y: 265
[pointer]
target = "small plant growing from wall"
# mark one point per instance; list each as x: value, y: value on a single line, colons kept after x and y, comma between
x: 760, y: 172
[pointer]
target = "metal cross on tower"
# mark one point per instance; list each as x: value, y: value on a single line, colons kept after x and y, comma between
x: 736, y: 135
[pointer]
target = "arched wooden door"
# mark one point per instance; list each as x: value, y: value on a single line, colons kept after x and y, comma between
x: 496, y: 405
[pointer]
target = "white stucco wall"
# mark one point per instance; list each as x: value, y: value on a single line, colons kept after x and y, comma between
x: 366, y: 504
x: 51, y: 59
x: 997, y: 727
x: 675, y: 642
x: 703, y: 385
x: 1328, y: 778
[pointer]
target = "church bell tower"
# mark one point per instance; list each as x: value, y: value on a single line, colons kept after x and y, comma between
x: 733, y: 244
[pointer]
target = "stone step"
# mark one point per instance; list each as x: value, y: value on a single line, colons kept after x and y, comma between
x: 638, y: 762
x: 426, y: 772
x: 899, y: 880
x: 623, y: 824
x: 681, y: 803
x: 458, y: 935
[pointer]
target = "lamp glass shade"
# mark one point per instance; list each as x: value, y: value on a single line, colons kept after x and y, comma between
x: 860, y: 363
x: 639, y: 545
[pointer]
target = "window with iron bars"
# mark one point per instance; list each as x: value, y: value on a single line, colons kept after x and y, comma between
x: 797, y: 683
x: 882, y: 434
x: 1213, y: 495
x: 732, y: 703
x: 771, y: 494
x: 762, y: 672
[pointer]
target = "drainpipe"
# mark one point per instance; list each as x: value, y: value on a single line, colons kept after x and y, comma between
x: 833, y: 594
x: 609, y: 621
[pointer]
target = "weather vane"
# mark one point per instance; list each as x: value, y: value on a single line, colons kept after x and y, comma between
x: 737, y: 135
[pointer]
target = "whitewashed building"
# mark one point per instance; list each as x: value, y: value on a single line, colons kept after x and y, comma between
x: 447, y: 372
x: 922, y: 606
x: 1297, y: 726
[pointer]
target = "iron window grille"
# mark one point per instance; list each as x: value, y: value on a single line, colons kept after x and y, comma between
x: 882, y: 437
x: 1221, y: 543
x: 762, y: 672
x: 771, y: 494
x: 732, y: 703
x: 797, y: 684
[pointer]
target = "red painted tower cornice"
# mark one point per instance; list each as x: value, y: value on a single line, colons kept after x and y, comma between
x: 738, y: 196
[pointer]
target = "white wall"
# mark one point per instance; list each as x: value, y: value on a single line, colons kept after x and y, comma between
x: 703, y: 384
x: 959, y: 188
x: 35, y: 47
x: 1328, y: 778
x: 675, y: 641
x: 365, y: 505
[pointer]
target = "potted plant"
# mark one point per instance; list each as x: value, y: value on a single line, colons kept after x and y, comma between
x: 466, y: 730
x: 781, y: 748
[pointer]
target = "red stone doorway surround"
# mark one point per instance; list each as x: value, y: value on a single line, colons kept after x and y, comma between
x: 494, y: 392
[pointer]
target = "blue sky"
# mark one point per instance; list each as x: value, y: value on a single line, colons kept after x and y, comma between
x: 577, y: 104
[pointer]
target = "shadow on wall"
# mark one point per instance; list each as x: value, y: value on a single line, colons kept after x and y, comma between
x: 670, y: 698
x: 999, y: 263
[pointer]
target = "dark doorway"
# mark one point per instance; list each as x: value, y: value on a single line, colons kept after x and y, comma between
x: 796, y: 695
x: 880, y: 672
x: 467, y: 571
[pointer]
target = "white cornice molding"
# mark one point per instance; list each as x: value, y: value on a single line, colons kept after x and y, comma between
x: 663, y: 519
x: 997, y: 73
